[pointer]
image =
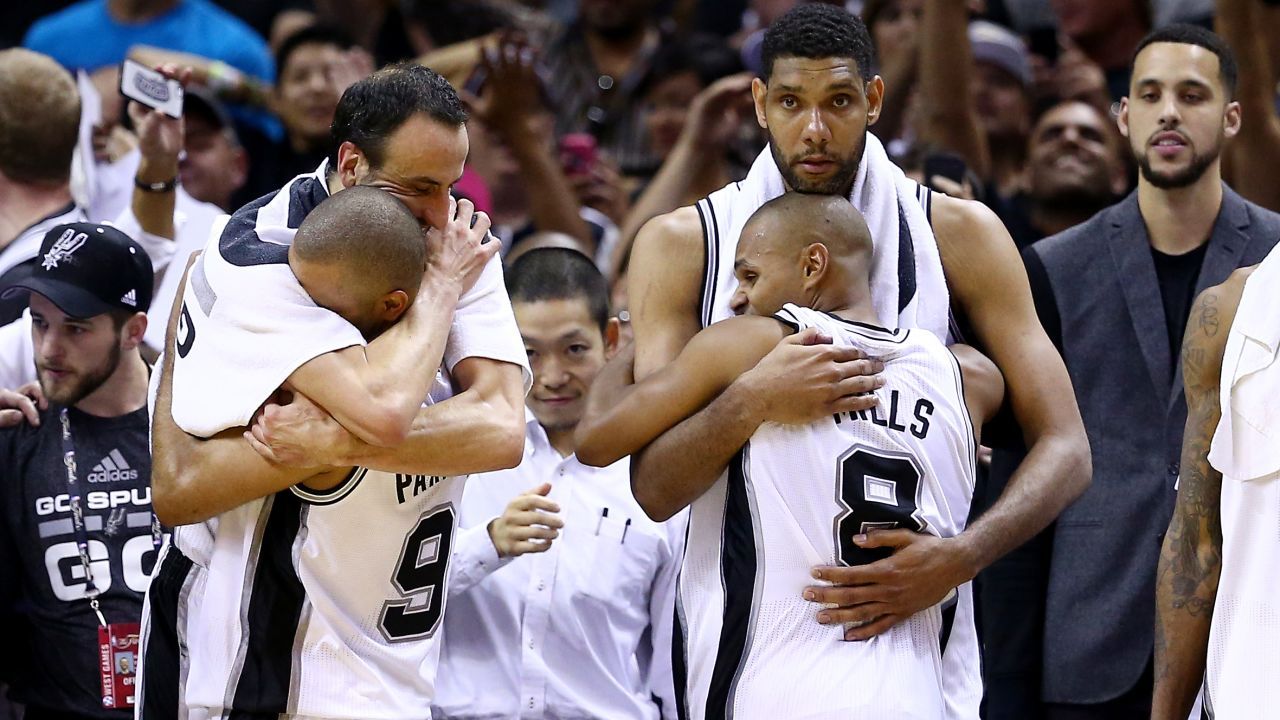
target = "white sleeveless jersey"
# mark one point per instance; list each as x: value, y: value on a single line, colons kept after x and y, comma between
x: 315, y: 604
x: 793, y: 499
x: 1242, y: 666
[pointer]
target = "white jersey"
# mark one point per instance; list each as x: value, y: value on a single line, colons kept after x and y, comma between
x: 1242, y: 666
x: 793, y: 499
x: 310, y: 604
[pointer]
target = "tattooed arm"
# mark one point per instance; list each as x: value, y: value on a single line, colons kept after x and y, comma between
x: 1187, y: 579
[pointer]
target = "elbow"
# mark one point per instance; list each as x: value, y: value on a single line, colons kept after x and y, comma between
x: 509, y: 446
x: 658, y: 508
x: 170, y: 505
x: 589, y: 446
x: 1078, y: 460
x: 384, y: 428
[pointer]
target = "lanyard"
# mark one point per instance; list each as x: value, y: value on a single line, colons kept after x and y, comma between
x: 77, y: 517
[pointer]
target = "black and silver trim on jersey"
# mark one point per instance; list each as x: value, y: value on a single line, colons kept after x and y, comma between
x: 162, y: 685
x: 711, y: 263
x: 742, y: 575
x: 867, y: 330
x: 271, y: 613
x: 333, y: 494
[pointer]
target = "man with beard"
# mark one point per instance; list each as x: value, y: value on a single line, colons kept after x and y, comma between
x: 75, y: 504
x: 816, y: 96
x: 1115, y: 292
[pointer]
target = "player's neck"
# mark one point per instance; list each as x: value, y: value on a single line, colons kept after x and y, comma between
x: 1179, y: 220
x: 23, y: 205
x: 847, y: 305
x: 123, y: 392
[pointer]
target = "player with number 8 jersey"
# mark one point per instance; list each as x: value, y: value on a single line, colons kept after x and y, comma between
x: 797, y: 496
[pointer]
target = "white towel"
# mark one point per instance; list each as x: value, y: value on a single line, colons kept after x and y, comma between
x: 249, y: 323
x: 885, y: 197
x: 1246, y: 444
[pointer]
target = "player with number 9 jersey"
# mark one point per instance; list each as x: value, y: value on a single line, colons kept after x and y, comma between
x: 332, y: 592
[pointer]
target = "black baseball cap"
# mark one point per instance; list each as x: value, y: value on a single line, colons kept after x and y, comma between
x: 88, y: 269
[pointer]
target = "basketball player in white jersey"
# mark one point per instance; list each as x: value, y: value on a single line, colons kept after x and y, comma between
x: 797, y: 495
x: 1217, y: 613
x: 321, y: 599
x: 816, y: 97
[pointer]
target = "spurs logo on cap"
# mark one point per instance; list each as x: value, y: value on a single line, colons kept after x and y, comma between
x: 63, y: 248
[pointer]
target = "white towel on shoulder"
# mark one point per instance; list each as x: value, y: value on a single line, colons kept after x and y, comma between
x: 888, y: 200
x: 1246, y: 444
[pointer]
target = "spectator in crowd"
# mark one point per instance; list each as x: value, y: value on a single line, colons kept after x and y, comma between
x: 1106, y: 31
x: 214, y: 165
x: 596, y: 70
x: 699, y: 106
x: 1001, y: 93
x: 1115, y: 293
x: 81, y: 533
x: 1075, y: 168
x: 513, y: 154
x: 536, y: 540
x: 895, y: 28
x: 39, y: 129
x: 1251, y: 158
x: 96, y: 34
x: 314, y: 66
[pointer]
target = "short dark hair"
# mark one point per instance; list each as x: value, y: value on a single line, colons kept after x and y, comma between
x: 1185, y: 34
x: 376, y: 106
x: 816, y: 30
x: 311, y: 35
x: 559, y: 274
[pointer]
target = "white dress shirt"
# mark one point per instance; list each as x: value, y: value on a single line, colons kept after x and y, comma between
x: 582, y: 630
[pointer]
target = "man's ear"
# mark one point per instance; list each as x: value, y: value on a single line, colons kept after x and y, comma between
x: 393, y: 305
x: 1122, y: 117
x: 816, y: 260
x: 758, y: 92
x: 612, y: 332
x: 352, y: 164
x: 132, y: 331
x: 1231, y: 119
x: 875, y: 99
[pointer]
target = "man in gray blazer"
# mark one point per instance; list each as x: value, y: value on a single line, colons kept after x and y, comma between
x: 1114, y: 293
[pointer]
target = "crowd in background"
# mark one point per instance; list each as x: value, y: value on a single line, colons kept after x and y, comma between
x: 590, y: 117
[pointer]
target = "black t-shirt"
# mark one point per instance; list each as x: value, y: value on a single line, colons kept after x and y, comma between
x: 60, y: 670
x: 1177, y: 275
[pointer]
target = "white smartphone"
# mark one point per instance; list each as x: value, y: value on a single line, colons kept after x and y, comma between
x: 142, y: 84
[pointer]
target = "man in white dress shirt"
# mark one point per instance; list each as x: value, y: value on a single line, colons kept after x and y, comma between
x: 580, y: 627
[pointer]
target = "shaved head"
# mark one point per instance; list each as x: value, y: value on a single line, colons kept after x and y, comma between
x: 356, y: 248
x: 793, y: 221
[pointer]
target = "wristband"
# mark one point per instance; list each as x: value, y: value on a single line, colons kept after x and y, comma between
x: 156, y: 187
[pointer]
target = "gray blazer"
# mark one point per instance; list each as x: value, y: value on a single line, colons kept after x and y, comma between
x: 1100, y: 613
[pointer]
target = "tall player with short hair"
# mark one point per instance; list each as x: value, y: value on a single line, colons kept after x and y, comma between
x: 798, y: 495
x: 816, y: 97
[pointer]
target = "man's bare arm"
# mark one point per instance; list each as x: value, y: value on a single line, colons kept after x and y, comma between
x: 712, y: 360
x: 805, y: 380
x: 182, y: 492
x: 1191, y: 558
x: 478, y: 430
x: 375, y: 391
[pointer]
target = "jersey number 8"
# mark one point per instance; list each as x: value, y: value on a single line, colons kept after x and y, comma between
x: 878, y: 490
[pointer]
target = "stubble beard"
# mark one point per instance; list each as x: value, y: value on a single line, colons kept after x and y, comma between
x: 841, y: 183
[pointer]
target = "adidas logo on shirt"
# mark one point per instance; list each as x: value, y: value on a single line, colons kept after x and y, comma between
x: 112, y: 468
x: 130, y: 298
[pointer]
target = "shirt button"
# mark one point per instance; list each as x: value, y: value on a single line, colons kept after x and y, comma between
x: 530, y: 644
x: 541, y: 586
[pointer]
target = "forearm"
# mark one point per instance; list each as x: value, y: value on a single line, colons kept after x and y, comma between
x: 553, y: 206
x: 154, y: 210
x: 478, y: 430
x: 1056, y: 471
x: 684, y: 462
x: 1186, y: 588
x: 945, y: 76
x: 474, y: 559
